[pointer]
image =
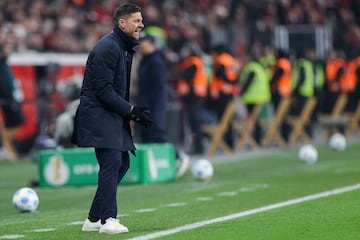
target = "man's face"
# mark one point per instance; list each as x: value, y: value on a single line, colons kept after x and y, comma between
x: 132, y: 25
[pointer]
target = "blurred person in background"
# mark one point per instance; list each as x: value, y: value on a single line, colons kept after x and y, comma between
x: 303, y: 83
x: 10, y: 103
x: 192, y: 88
x: 255, y: 89
x: 334, y: 73
x: 50, y: 101
x: 61, y: 127
x: 153, y: 92
x: 152, y: 89
x: 320, y: 81
x: 64, y: 122
x: 351, y: 84
x: 280, y: 82
x: 103, y: 117
x: 268, y: 61
x: 224, y: 85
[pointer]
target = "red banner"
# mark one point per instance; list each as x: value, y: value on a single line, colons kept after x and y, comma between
x: 26, y: 77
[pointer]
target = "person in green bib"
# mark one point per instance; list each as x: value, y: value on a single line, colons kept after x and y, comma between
x: 255, y: 89
x: 303, y: 86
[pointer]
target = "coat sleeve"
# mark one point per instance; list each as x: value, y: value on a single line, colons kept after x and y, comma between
x: 103, y: 64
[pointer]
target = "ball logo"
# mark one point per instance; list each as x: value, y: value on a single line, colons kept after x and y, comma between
x: 57, y: 171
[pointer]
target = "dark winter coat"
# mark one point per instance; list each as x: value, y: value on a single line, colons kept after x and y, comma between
x: 152, y: 92
x: 152, y: 86
x: 6, y: 81
x: 102, y: 119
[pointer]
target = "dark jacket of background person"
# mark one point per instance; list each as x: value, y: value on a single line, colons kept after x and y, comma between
x: 224, y: 85
x: 280, y: 83
x: 152, y: 92
x: 334, y: 73
x: 102, y: 119
x: 192, y: 88
x: 6, y: 82
x: 351, y: 83
x: 10, y: 105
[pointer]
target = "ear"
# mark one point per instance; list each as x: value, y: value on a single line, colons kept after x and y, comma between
x: 122, y: 23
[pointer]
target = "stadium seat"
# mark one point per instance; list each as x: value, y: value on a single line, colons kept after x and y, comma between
x: 298, y: 123
x: 217, y: 131
x: 246, y: 129
x: 274, y: 125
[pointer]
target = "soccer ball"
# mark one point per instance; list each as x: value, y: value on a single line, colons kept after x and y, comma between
x: 202, y: 169
x: 25, y: 200
x: 337, y: 141
x: 308, y: 153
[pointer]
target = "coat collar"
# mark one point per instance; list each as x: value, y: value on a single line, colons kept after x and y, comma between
x: 128, y: 42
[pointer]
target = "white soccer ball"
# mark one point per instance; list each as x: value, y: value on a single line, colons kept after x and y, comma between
x: 337, y: 141
x: 308, y: 153
x: 25, y: 200
x: 202, y: 169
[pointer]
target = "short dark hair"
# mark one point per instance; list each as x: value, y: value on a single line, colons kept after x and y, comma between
x: 124, y: 11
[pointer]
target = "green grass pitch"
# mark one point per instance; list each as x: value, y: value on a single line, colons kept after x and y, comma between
x: 240, y: 185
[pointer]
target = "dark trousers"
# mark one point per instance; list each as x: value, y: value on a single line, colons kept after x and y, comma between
x: 193, y: 107
x: 113, y: 166
x: 221, y: 105
x: 328, y: 101
x: 276, y: 99
x: 257, y: 133
x: 284, y: 127
x: 296, y: 107
x: 353, y: 100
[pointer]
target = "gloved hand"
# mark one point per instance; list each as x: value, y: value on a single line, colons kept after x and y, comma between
x: 142, y: 116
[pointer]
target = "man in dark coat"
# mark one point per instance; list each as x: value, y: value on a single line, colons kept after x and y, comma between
x: 102, y: 118
x: 153, y: 92
x: 152, y: 89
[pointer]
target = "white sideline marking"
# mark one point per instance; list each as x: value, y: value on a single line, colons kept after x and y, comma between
x: 75, y: 223
x: 227, y: 194
x: 204, y: 199
x: 261, y: 185
x: 248, y: 212
x: 247, y: 189
x: 42, y: 230
x: 177, y: 204
x: 145, y: 210
x: 14, y: 236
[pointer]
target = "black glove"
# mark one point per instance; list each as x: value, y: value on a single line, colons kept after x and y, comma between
x: 142, y: 116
